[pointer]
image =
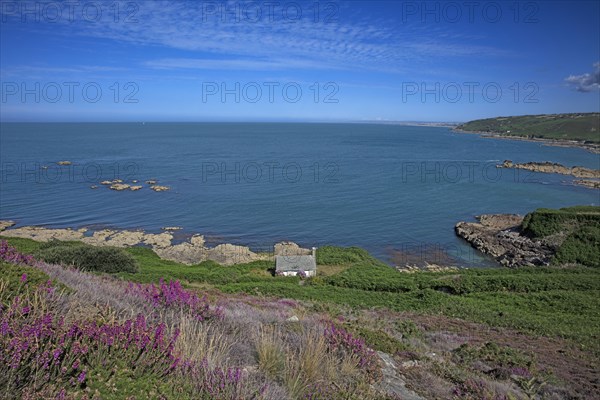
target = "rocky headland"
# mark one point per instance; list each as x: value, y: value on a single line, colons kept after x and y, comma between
x: 500, y: 236
x: 554, y: 168
x: 191, y: 251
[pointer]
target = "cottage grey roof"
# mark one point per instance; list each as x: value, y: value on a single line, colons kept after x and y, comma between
x: 295, y: 263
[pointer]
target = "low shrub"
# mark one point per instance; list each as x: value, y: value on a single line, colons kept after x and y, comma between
x: 581, y: 247
x: 494, y: 355
x: 89, y: 258
x: 544, y: 222
x: 333, y: 255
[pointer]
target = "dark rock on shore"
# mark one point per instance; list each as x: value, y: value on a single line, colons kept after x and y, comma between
x: 500, y: 236
x: 587, y: 183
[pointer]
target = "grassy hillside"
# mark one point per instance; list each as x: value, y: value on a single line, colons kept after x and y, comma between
x: 575, y: 232
x: 582, y: 127
x: 524, y: 299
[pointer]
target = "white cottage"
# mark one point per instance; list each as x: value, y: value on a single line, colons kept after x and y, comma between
x: 292, y: 265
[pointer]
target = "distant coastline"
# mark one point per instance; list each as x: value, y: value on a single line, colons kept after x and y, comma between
x: 412, y: 123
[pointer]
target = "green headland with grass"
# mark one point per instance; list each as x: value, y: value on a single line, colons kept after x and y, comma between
x: 584, y: 127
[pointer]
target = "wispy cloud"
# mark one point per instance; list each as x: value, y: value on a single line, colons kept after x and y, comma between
x: 43, y: 71
x: 232, y: 64
x: 216, y: 40
x: 588, y: 82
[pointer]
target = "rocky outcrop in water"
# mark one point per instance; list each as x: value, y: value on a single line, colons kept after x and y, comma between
x: 553, y: 168
x: 119, y: 186
x: 499, y: 235
x: 159, y: 188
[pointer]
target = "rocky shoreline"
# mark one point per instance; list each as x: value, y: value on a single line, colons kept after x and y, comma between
x: 192, y: 251
x: 499, y: 235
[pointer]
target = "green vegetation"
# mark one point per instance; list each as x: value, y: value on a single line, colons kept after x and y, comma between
x: 493, y: 354
x: 14, y: 277
x: 579, y: 228
x: 582, y: 127
x: 545, y: 301
x: 86, y: 257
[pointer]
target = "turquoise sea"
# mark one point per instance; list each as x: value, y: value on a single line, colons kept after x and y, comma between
x: 394, y: 190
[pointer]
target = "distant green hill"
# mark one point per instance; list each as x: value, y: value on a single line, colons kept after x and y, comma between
x: 582, y: 126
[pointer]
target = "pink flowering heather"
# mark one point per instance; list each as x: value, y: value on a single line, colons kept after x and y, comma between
x: 342, y: 340
x: 11, y: 255
x: 173, y: 295
x: 218, y: 383
x: 44, y: 349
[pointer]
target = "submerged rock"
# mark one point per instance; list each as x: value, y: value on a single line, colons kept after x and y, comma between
x: 134, y: 188
x: 158, y: 188
x: 119, y: 186
x: 171, y: 228
x: 64, y: 163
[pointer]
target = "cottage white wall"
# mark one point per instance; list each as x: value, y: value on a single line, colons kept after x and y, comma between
x: 294, y: 273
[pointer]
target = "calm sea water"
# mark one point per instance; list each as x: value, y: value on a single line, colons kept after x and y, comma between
x: 385, y: 188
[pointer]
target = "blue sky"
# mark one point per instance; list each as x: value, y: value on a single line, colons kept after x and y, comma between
x: 291, y: 60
